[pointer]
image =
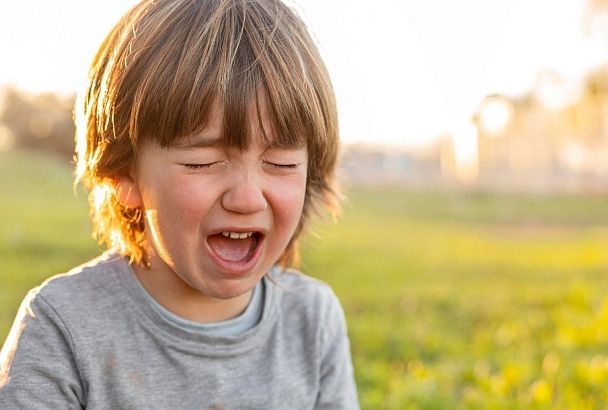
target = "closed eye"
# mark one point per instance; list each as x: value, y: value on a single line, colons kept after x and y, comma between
x: 281, y: 166
x: 200, y: 166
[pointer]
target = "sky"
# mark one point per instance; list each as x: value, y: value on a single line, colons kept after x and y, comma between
x: 404, y: 71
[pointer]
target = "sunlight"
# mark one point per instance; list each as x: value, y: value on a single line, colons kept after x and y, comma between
x: 555, y: 92
x: 399, y: 81
x: 100, y: 194
x: 495, y: 114
x: 117, y: 241
x: 465, y: 152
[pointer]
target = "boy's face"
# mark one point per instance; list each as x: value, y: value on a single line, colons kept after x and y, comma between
x: 216, y: 217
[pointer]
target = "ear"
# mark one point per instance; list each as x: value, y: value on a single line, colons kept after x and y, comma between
x: 127, y: 191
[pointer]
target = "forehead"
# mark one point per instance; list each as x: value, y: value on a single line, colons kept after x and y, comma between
x: 254, y: 127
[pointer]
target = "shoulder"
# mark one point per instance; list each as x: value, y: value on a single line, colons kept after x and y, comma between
x: 300, y: 294
x: 298, y: 287
x: 88, y: 286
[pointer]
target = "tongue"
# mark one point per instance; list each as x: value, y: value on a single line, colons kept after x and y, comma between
x: 233, y: 250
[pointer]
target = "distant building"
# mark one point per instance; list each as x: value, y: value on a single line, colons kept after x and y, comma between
x: 547, y: 142
x: 368, y: 164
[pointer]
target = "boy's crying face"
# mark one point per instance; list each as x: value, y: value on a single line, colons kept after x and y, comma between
x: 217, y: 217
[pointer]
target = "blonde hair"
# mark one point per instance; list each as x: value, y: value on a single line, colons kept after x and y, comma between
x: 158, y: 75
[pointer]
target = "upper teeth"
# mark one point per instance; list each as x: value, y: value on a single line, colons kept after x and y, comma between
x: 237, y: 235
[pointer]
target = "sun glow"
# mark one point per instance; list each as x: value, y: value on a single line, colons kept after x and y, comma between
x: 556, y: 92
x: 495, y: 114
x: 117, y: 241
x: 401, y: 80
x: 100, y: 194
x: 466, y: 152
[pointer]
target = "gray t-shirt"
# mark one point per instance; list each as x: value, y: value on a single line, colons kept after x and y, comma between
x: 230, y: 327
x: 91, y: 339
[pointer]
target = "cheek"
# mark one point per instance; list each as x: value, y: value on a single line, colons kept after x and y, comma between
x: 187, y: 200
x: 288, y: 201
x: 179, y: 200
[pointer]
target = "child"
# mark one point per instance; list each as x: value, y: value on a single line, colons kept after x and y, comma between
x: 207, y: 136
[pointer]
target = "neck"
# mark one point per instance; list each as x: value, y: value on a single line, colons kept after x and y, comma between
x: 178, y: 297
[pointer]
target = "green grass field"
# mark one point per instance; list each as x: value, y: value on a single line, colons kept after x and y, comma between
x: 454, y: 301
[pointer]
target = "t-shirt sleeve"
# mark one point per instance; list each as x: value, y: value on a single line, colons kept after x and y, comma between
x: 337, y: 385
x: 37, y: 364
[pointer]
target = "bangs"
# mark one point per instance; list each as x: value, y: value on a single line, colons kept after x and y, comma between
x: 242, y: 57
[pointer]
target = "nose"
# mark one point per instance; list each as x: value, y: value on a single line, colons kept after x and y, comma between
x: 245, y: 196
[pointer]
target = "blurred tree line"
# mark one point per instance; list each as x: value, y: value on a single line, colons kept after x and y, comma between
x: 37, y: 121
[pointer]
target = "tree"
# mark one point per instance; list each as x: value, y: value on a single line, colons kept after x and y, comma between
x: 41, y: 122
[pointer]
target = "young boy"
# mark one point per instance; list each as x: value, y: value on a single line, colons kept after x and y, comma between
x: 207, y: 136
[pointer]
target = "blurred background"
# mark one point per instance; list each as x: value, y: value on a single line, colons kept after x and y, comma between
x: 472, y: 254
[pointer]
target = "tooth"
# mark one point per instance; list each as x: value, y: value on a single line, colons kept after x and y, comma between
x: 243, y: 235
x: 249, y: 234
x: 226, y: 234
x: 234, y: 235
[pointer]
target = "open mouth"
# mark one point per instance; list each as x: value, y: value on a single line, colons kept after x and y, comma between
x: 234, y: 247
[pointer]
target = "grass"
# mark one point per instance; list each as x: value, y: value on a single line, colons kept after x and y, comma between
x: 44, y: 228
x: 472, y: 300
x: 454, y: 301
